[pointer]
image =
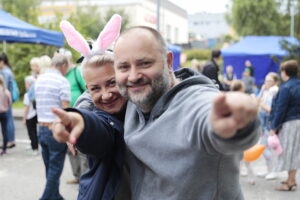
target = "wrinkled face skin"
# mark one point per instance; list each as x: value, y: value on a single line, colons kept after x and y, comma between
x: 101, y: 84
x: 35, y: 68
x: 142, y: 72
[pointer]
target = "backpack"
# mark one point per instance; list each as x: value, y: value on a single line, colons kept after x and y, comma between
x: 5, y: 100
x: 16, y: 92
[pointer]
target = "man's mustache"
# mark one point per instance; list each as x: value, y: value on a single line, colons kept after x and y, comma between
x: 141, y: 81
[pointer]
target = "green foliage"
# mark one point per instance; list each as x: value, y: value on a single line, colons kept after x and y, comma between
x: 87, y: 21
x: 256, y: 17
x: 294, y: 52
x: 199, y: 54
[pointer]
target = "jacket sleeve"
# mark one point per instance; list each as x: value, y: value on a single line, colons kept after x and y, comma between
x: 97, y: 138
x: 281, y: 106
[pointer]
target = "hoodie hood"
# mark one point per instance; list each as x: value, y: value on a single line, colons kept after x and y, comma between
x: 188, y: 77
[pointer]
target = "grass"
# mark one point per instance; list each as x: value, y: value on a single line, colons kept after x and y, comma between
x: 18, y: 104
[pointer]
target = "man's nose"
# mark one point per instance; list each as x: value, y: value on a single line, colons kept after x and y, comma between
x: 134, y: 75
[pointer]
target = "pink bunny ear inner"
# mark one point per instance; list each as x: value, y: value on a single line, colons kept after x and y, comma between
x: 74, y: 38
x: 110, y: 32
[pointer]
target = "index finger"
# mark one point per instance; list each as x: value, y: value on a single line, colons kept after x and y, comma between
x: 62, y: 115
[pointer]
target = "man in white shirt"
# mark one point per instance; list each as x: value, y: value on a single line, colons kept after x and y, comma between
x: 52, y: 90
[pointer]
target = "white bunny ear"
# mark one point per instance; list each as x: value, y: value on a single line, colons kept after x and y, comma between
x: 110, y: 32
x: 74, y: 38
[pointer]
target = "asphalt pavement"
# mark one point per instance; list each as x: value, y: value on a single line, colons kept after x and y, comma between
x: 22, y: 175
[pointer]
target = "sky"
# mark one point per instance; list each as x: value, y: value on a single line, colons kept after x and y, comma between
x: 210, y: 6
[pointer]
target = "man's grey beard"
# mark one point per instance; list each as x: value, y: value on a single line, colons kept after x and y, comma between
x: 159, y: 85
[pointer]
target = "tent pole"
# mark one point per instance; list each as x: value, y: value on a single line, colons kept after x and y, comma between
x: 4, y: 46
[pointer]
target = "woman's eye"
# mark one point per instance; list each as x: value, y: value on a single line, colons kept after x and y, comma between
x: 112, y: 83
x: 122, y: 67
x: 95, y: 89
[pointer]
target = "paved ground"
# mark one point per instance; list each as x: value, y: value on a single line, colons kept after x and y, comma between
x: 22, y: 176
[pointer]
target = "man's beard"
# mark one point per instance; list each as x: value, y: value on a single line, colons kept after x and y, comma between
x: 158, y: 86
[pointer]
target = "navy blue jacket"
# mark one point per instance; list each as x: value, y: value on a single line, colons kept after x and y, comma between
x: 103, y: 142
x: 286, y: 104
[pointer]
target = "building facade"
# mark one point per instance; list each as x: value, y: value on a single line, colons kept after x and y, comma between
x: 173, y: 19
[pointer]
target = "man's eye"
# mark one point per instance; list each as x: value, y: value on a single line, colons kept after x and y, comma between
x: 146, y: 63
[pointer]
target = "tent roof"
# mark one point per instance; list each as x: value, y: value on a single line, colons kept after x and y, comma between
x: 258, y: 45
x: 13, y: 29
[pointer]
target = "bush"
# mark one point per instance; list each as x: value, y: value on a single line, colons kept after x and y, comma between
x: 199, y: 54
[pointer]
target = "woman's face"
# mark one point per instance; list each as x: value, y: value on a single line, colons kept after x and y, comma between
x: 269, y: 82
x: 101, y: 84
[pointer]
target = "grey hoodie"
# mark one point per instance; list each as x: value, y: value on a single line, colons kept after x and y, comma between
x: 175, y: 155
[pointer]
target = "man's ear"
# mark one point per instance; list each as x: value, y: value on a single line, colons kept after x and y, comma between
x: 170, y: 60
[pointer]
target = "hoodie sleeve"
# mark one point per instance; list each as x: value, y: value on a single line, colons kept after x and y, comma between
x: 203, y: 135
x: 97, y: 138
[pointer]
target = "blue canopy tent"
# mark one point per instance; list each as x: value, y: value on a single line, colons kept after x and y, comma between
x: 176, y: 50
x: 13, y: 29
x: 259, y: 50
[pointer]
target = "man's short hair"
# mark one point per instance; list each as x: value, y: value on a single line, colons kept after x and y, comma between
x: 290, y: 67
x: 155, y: 33
x: 215, y: 53
x: 59, y: 60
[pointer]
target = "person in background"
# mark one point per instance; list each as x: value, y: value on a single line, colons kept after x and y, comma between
x: 238, y: 86
x: 228, y: 77
x: 286, y: 123
x: 211, y: 68
x: 52, y: 90
x: 6, y: 72
x: 248, y: 81
x: 5, y: 99
x: 265, y: 98
x: 195, y: 65
x: 30, y: 116
x: 248, y: 65
x: 78, y: 161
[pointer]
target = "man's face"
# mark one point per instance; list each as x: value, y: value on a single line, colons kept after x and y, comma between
x: 101, y: 84
x: 142, y: 72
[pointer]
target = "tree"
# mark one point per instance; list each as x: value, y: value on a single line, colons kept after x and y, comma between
x: 87, y: 21
x: 256, y: 17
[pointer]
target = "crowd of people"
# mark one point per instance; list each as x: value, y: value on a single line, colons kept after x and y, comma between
x: 135, y: 129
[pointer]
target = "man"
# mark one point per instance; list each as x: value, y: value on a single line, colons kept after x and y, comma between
x: 185, y: 138
x: 52, y: 90
x: 211, y: 68
x: 78, y: 161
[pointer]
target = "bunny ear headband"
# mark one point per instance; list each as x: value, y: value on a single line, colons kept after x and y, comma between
x: 110, y: 32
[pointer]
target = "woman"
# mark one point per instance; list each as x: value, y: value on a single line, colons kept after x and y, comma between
x: 265, y: 97
x: 5, y: 99
x: 286, y: 122
x: 6, y: 72
x: 101, y: 135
